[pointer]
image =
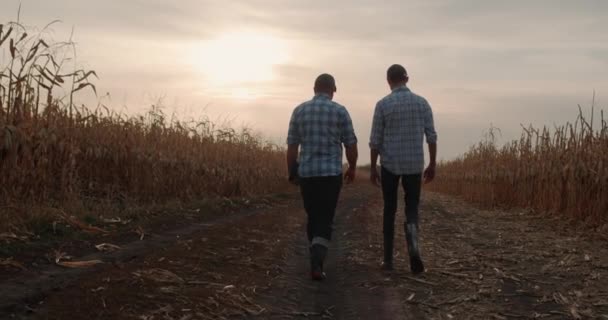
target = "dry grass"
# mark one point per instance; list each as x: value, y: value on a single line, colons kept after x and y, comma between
x: 53, y: 152
x: 562, y: 171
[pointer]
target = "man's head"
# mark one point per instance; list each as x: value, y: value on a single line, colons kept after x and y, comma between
x: 396, y: 75
x: 326, y: 84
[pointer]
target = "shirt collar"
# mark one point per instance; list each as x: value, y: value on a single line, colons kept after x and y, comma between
x: 401, y: 88
x: 321, y: 96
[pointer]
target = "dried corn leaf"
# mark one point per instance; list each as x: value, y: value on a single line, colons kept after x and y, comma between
x: 10, y: 236
x: 115, y: 221
x: 79, y: 264
x: 574, y: 313
x: 107, y: 247
x: 140, y: 232
x: 9, y: 262
x: 59, y: 255
x: 159, y: 275
x: 81, y: 225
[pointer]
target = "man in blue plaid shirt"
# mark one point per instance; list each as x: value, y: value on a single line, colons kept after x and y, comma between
x: 319, y: 128
x: 401, y: 121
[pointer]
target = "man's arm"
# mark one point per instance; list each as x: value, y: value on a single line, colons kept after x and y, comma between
x: 429, y: 172
x: 352, y: 154
x: 433, y: 153
x: 375, y: 142
x: 431, y: 139
x: 374, y: 157
x: 292, y: 161
x: 349, y: 140
x: 374, y: 177
x: 293, y: 143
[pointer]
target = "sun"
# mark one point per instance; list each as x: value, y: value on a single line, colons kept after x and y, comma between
x: 237, y: 58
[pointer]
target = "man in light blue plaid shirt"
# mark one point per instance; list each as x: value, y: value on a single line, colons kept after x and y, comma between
x: 402, y: 120
x: 319, y: 128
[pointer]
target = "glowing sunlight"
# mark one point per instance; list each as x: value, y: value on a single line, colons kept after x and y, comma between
x: 237, y: 58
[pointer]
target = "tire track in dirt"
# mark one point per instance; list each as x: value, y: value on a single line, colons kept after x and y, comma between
x: 24, y: 290
x: 21, y: 296
x: 352, y: 290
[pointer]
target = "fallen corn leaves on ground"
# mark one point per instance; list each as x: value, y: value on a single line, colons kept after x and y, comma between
x: 254, y: 266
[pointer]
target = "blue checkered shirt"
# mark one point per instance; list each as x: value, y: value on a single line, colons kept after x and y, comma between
x: 401, y: 120
x: 320, y: 126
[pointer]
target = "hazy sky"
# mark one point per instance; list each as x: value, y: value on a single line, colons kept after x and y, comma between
x: 477, y: 62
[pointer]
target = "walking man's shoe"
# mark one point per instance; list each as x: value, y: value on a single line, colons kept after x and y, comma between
x: 317, y: 258
x: 416, y: 265
x: 318, y: 275
x: 413, y: 249
x: 387, y: 266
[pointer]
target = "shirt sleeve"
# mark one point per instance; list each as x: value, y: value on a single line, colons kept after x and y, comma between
x: 293, y: 134
x: 347, y: 133
x: 429, y: 126
x: 377, y: 136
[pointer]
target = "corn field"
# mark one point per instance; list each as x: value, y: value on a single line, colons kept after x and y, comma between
x: 562, y: 171
x: 52, y: 150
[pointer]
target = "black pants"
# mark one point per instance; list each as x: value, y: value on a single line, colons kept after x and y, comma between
x: 320, y: 196
x: 412, y: 184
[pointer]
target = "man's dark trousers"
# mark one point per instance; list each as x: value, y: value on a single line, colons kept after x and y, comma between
x: 320, y: 196
x: 412, y: 184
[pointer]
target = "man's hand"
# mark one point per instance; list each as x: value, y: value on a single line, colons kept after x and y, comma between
x: 292, y: 164
x: 350, y: 174
x: 294, y: 177
x: 295, y: 180
x: 374, y: 177
x: 429, y: 173
x: 352, y: 153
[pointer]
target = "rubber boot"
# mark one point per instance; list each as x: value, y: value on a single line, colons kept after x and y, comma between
x: 411, y: 233
x: 318, y: 253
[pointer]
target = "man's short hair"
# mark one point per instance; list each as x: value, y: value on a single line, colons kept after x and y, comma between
x: 396, y: 73
x: 325, y: 82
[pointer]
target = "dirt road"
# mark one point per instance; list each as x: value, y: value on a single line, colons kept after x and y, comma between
x: 480, y: 265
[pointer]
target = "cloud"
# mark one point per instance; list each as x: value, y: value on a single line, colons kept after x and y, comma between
x: 155, y: 19
x: 477, y: 62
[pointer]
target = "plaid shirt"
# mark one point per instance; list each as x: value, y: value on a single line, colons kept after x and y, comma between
x: 401, y: 120
x: 320, y: 126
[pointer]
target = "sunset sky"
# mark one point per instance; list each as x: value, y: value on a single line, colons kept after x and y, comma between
x: 478, y: 63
